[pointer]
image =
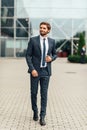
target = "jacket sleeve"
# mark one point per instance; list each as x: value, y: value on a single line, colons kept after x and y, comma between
x: 54, y: 54
x: 29, y: 55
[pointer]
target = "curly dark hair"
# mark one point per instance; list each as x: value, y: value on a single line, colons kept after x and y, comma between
x: 47, y: 24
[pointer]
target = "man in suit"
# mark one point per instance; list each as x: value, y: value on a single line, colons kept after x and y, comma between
x: 83, y: 51
x: 39, y: 55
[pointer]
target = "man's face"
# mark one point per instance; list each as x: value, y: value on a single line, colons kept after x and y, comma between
x: 43, y: 30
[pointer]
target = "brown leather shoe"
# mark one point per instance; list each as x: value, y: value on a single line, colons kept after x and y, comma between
x: 42, y: 121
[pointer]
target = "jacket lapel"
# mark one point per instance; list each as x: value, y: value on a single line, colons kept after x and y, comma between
x: 38, y: 41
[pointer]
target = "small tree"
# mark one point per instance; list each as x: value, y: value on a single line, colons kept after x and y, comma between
x: 81, y: 42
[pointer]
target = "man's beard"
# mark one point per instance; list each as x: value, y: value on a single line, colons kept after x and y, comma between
x: 43, y: 34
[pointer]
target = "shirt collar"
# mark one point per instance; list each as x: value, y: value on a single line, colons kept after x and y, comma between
x: 43, y: 37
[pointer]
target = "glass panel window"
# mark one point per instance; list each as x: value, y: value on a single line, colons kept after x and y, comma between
x: 22, y: 22
x: 22, y: 27
x: 22, y: 32
x: 7, y: 47
x: 78, y: 26
x: 7, y: 3
x: 9, y: 32
x: 7, y: 22
x: 21, y: 46
x: 7, y: 12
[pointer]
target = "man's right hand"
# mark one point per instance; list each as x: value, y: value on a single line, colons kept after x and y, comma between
x: 34, y: 73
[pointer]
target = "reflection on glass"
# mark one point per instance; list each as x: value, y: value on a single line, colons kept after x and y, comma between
x: 21, y: 46
x: 7, y: 22
x: 78, y: 26
x: 22, y: 22
x: 9, y: 32
x: 7, y: 3
x: 21, y: 32
x: 22, y: 27
x: 7, y: 12
x: 7, y: 48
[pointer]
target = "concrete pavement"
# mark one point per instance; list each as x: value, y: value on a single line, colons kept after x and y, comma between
x: 67, y: 96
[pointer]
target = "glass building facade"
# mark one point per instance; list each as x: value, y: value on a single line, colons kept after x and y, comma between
x: 14, y: 31
x: 20, y: 19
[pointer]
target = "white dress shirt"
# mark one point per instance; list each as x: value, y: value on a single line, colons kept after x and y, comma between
x: 47, y: 46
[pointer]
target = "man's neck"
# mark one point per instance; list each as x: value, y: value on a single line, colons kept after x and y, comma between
x: 44, y: 36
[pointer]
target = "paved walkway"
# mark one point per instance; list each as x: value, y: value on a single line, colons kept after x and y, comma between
x: 67, y: 97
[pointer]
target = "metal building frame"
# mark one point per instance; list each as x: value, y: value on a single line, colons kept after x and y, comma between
x: 70, y: 38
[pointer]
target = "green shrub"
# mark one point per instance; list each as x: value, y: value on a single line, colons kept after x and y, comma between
x: 76, y: 58
x: 81, y: 42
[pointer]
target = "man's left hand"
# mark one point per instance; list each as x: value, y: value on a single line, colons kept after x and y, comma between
x: 48, y: 59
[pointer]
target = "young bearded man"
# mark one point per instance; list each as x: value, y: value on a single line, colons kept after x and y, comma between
x: 39, y: 56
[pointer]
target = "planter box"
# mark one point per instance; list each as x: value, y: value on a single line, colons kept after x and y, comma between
x: 64, y: 54
x: 60, y: 54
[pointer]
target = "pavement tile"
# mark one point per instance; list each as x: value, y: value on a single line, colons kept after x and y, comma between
x: 67, y: 96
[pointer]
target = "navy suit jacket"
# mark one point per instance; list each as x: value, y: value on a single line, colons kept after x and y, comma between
x: 33, y: 53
